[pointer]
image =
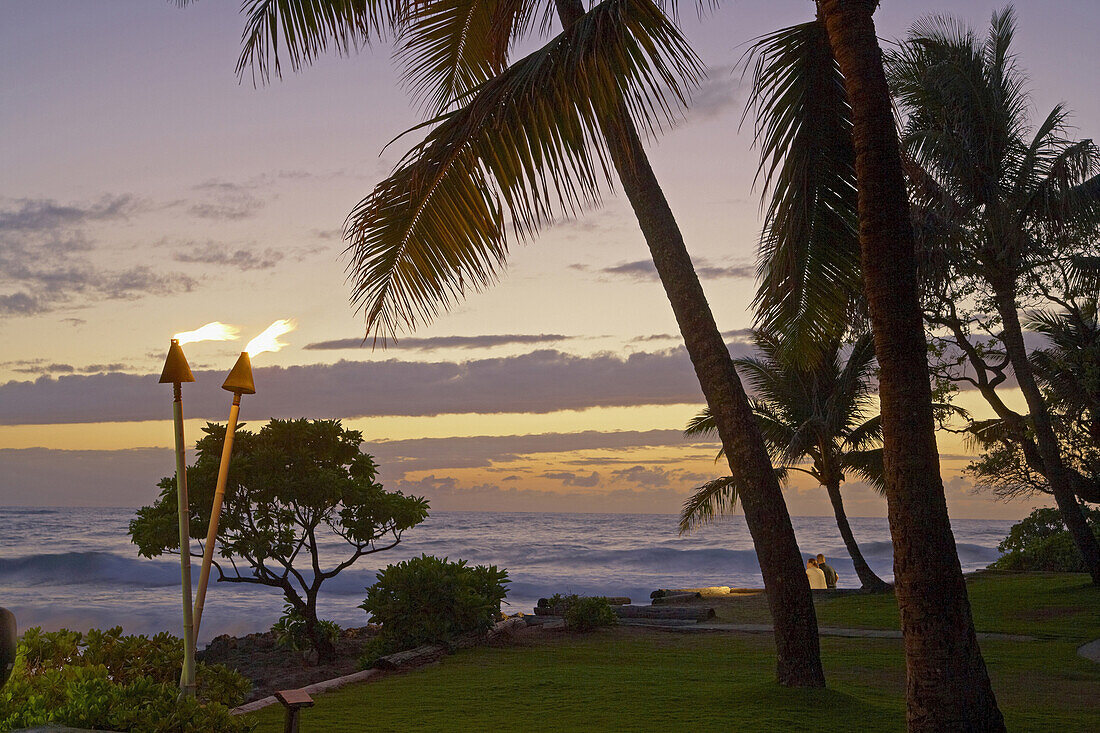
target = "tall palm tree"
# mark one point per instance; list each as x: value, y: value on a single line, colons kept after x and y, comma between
x: 527, y: 142
x: 947, y: 684
x: 819, y: 412
x: 1010, y: 199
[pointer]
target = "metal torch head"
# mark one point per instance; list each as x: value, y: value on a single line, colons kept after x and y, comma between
x: 176, y: 369
x: 239, y: 380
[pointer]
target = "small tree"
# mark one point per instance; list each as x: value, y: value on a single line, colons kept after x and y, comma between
x: 290, y: 486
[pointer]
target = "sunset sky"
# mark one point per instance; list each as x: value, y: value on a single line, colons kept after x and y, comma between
x: 146, y: 191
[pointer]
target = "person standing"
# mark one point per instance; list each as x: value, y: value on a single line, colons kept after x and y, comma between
x: 831, y: 575
x: 817, y: 578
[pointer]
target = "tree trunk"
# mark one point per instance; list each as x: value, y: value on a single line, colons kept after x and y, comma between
x: 1053, y: 469
x: 798, y: 658
x: 866, y: 575
x: 947, y: 685
x: 326, y: 651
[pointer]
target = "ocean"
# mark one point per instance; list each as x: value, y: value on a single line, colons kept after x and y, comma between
x: 76, y: 568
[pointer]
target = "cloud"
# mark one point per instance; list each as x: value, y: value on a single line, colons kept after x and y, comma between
x: 441, y: 342
x: 572, y: 479
x: 46, y: 216
x: 399, y: 457
x: 445, y: 493
x: 644, y: 270
x: 43, y: 477
x: 213, y: 253
x: 226, y: 201
x: 45, y: 261
x: 43, y: 366
x: 538, y: 382
x: 718, y: 92
x: 652, y: 477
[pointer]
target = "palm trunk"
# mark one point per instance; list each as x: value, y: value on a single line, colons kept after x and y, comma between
x: 866, y: 575
x: 798, y: 659
x: 947, y: 685
x: 1053, y: 469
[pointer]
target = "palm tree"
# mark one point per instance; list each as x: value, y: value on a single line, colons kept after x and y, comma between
x: 817, y: 412
x: 947, y: 685
x: 528, y: 142
x: 1009, y: 200
x: 1066, y: 369
x: 1069, y: 366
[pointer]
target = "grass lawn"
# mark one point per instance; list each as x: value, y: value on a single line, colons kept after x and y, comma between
x: 631, y: 679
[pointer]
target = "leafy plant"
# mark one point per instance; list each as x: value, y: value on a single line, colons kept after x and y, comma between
x: 1040, y: 541
x: 291, y: 486
x: 429, y: 600
x: 106, y: 680
x: 586, y: 613
x: 290, y: 630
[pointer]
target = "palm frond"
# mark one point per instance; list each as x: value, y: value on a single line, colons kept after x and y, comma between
x: 702, y: 425
x: 712, y: 499
x: 808, y: 267
x: 449, y: 47
x: 305, y: 29
x: 527, y: 142
x: 868, y: 465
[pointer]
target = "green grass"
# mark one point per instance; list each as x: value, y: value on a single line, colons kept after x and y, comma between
x: 629, y: 679
x: 1049, y: 605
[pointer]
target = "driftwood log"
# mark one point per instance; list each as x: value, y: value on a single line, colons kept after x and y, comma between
x: 686, y: 613
x: 411, y: 657
x: 710, y: 590
x: 676, y: 598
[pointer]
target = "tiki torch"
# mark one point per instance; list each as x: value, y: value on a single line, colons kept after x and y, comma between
x: 238, y: 382
x: 176, y: 371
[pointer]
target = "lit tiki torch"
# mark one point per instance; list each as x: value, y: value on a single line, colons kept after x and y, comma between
x: 176, y: 371
x: 238, y: 382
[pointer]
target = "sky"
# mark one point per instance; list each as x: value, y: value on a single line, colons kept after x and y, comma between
x: 145, y: 190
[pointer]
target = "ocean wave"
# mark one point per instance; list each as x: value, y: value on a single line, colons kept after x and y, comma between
x: 87, y: 568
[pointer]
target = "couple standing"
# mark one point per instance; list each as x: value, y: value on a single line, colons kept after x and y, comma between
x: 821, y: 574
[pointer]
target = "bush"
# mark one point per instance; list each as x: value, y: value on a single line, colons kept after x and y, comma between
x: 290, y: 630
x: 105, y: 680
x: 582, y: 613
x: 428, y: 600
x: 1041, y: 541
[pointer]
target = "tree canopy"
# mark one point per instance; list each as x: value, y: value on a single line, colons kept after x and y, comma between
x: 292, y: 486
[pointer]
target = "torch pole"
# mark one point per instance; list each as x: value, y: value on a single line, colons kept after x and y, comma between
x: 216, y: 510
x: 187, y: 678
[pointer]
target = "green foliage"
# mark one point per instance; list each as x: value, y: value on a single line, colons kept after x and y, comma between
x: 428, y: 600
x: 291, y: 486
x: 585, y: 613
x: 105, y: 680
x: 290, y: 630
x: 1041, y: 541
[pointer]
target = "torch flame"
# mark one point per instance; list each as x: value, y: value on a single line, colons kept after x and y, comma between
x: 269, y: 339
x: 213, y: 331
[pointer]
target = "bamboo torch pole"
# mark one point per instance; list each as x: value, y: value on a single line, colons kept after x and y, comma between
x: 176, y: 371
x: 238, y: 382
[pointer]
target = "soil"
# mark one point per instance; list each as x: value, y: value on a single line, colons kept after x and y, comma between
x: 272, y: 667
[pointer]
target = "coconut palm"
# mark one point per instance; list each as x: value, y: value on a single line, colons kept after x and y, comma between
x: 819, y: 412
x: 1068, y: 371
x: 1008, y: 199
x: 947, y: 684
x: 515, y: 147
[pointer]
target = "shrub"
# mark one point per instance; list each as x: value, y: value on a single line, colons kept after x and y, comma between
x: 1041, y: 541
x: 428, y: 600
x: 582, y: 613
x: 105, y: 680
x: 290, y: 630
